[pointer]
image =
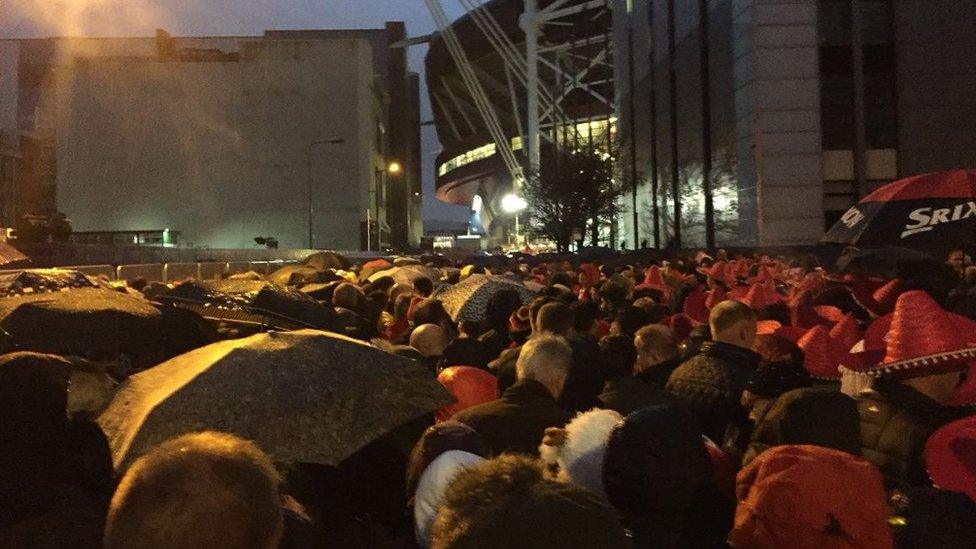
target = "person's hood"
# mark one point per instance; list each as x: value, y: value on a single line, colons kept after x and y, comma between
x: 470, y: 386
x: 656, y: 463
x: 432, y: 487
x: 580, y: 459
x: 808, y: 497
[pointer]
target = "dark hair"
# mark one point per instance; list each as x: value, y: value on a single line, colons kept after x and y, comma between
x: 631, y: 319
x: 211, y: 479
x: 501, y: 305
x: 430, y: 311
x: 619, y: 354
x: 556, y: 318
x: 538, y: 303
x: 564, y: 278
x: 424, y: 286
x: 507, y: 502
x: 436, y: 440
x: 585, y: 313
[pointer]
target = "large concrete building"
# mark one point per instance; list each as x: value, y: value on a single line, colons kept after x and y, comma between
x: 576, y: 75
x: 225, y: 139
x: 768, y: 119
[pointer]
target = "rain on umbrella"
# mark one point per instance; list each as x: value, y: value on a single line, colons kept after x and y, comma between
x: 38, y: 281
x: 468, y: 300
x: 251, y: 302
x: 929, y: 212
x: 305, y: 396
x: 326, y: 260
x: 408, y: 273
x: 81, y: 321
x: 10, y: 256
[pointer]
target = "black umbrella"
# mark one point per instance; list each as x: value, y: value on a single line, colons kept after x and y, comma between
x: 932, y: 212
x: 469, y: 299
x: 10, y: 256
x: 305, y: 396
x: 298, y: 275
x: 408, y: 273
x: 327, y: 260
x: 251, y: 302
x: 884, y: 262
x: 38, y: 281
x: 82, y: 321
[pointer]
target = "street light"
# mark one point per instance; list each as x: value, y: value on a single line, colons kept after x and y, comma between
x: 308, y: 165
x: 394, y: 169
x: 513, y: 204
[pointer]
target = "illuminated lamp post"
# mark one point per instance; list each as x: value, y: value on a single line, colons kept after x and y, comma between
x: 513, y: 204
x: 393, y: 168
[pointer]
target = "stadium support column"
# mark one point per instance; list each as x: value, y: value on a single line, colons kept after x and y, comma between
x: 530, y: 25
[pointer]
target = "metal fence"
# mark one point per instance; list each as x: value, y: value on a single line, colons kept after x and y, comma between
x: 173, y: 272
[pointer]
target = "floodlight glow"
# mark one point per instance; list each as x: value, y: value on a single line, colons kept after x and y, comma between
x: 512, y: 203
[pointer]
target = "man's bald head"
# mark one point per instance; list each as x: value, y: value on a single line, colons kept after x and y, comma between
x: 733, y: 323
x: 429, y: 339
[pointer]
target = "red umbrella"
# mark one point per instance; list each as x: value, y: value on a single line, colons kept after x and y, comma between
x: 931, y: 211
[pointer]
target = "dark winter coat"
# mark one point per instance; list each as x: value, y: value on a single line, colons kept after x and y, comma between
x: 657, y: 375
x: 516, y: 422
x: 504, y: 368
x: 808, y: 416
x: 627, y: 394
x: 711, y: 384
x: 586, y: 375
x: 896, y: 422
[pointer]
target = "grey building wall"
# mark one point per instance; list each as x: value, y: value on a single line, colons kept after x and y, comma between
x: 731, y: 105
x: 936, y: 56
x: 778, y: 98
x: 218, y: 150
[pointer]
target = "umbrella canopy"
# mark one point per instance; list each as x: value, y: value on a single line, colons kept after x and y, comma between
x: 38, y: 281
x: 11, y: 256
x: 885, y: 262
x: 927, y: 212
x: 251, y: 302
x: 408, y: 273
x: 82, y: 321
x: 468, y: 300
x: 327, y: 260
x: 305, y: 396
x: 297, y: 275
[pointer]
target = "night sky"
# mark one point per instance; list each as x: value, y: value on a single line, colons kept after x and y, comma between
x: 39, y: 18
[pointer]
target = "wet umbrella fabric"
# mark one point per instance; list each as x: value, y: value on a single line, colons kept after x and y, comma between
x: 326, y: 260
x: 408, y: 273
x: 10, y: 256
x: 297, y: 275
x: 304, y: 396
x: 260, y: 302
x: 886, y: 262
x: 468, y: 300
x: 81, y: 321
x: 37, y: 281
x: 928, y: 212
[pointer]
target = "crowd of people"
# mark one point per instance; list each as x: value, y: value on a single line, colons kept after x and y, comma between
x: 699, y: 401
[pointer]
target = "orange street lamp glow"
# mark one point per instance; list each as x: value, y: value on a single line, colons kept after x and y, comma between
x: 394, y: 168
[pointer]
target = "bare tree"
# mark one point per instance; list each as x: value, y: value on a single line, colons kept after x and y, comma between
x: 574, y: 192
